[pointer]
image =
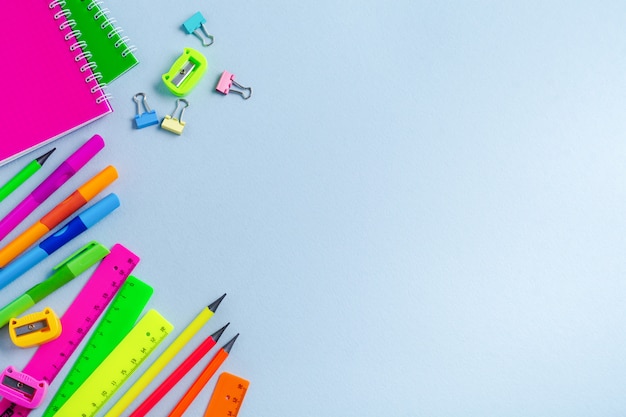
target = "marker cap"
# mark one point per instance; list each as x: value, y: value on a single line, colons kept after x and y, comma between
x: 98, y: 183
x: 67, y: 169
x: 99, y: 210
x: 80, y: 197
x: 83, y: 258
x: 83, y: 154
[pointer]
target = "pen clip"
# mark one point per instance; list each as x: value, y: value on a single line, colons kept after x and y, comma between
x: 83, y: 258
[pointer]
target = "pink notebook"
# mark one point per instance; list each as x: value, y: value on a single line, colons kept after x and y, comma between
x: 49, y: 88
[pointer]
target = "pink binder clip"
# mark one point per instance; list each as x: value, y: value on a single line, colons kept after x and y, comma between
x: 225, y: 86
x: 22, y: 389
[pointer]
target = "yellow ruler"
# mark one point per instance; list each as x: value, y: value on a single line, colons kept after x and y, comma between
x: 117, y: 367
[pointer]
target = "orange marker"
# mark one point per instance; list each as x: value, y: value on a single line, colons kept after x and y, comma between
x: 202, y: 379
x: 62, y: 211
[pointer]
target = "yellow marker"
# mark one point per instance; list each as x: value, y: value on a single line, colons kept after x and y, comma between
x: 167, y: 355
x: 109, y: 376
x: 35, y: 329
x: 62, y: 211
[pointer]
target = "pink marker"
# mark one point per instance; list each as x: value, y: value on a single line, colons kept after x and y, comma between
x: 64, y: 172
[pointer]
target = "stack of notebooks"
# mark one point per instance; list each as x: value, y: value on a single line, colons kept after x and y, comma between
x: 61, y: 54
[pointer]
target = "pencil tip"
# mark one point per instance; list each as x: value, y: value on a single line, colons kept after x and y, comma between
x: 228, y: 346
x: 215, y: 304
x: 42, y: 159
x: 216, y: 336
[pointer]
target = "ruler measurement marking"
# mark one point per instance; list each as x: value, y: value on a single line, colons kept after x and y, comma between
x: 58, y: 351
x: 111, y: 374
x: 116, y: 322
x: 228, y: 396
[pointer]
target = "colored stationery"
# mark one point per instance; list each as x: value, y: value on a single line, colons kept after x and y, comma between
x: 66, y: 271
x: 64, y: 172
x: 185, y: 72
x: 35, y: 329
x: 24, y: 174
x: 178, y: 374
x: 127, y: 356
x: 195, y: 25
x: 227, y: 396
x: 21, y: 389
x: 52, y: 75
x: 107, y: 47
x: 167, y: 355
x: 117, y: 321
x: 172, y: 123
x: 61, y: 212
x: 203, y: 378
x: 146, y: 118
x: 47, y: 247
x: 78, y: 319
x: 225, y: 86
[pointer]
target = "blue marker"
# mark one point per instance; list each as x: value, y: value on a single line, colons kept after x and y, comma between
x: 75, y: 227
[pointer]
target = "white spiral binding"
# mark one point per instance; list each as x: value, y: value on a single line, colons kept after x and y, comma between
x: 91, y: 65
x: 67, y: 24
x: 111, y: 21
x: 95, y: 76
x: 56, y: 3
x: 121, y: 41
x: 108, y: 21
x: 78, y: 44
x: 83, y: 55
x: 73, y: 34
x: 63, y: 12
x: 103, y: 97
x: 116, y: 31
x: 129, y: 50
x: 99, y: 88
x: 100, y: 13
x: 94, y: 3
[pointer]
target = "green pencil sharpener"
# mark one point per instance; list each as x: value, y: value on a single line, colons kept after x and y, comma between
x: 185, y: 72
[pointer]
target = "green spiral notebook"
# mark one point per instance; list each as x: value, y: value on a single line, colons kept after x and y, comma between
x: 100, y: 38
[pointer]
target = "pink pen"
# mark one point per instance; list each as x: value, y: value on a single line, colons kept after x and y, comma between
x: 64, y: 172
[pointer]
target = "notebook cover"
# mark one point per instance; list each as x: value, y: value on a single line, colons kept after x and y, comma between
x: 109, y: 49
x: 48, y: 89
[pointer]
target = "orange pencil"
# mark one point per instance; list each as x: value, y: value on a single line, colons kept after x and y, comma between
x: 62, y: 211
x: 203, y: 378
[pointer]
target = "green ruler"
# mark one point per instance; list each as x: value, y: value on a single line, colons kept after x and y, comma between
x: 117, y: 321
x: 111, y: 374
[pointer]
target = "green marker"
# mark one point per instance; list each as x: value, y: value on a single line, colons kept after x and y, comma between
x: 76, y: 264
x: 23, y: 175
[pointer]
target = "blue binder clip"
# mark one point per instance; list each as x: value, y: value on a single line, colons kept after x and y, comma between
x: 195, y: 25
x: 147, y: 118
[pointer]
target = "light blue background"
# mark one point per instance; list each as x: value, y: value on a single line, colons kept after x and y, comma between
x: 420, y: 212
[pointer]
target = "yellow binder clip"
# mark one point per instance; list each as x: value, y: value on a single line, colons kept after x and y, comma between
x: 171, y: 123
x: 35, y: 329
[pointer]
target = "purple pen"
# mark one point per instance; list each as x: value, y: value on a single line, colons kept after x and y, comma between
x: 64, y: 172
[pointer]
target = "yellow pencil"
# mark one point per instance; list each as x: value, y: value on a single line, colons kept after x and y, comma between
x: 162, y: 361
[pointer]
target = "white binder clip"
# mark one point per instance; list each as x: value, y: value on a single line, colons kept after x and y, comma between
x: 195, y: 25
x: 171, y: 123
